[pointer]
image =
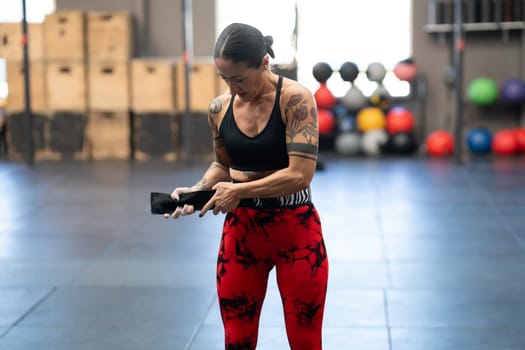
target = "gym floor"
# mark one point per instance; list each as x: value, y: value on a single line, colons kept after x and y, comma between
x: 424, y: 253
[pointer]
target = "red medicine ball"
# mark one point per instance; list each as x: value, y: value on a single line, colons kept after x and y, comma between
x: 520, y: 136
x: 326, y: 121
x: 505, y: 142
x: 324, y: 97
x: 399, y: 119
x: 440, y: 143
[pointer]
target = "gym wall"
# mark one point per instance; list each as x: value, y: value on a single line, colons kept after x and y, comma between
x: 487, y: 54
x: 158, y: 24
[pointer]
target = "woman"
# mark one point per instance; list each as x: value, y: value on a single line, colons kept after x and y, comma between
x: 266, y: 141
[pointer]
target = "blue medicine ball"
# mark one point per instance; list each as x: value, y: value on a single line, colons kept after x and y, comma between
x: 479, y: 140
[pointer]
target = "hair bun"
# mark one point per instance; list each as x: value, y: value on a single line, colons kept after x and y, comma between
x: 268, y: 39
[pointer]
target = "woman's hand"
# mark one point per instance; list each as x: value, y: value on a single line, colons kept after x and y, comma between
x: 180, y: 211
x: 224, y: 200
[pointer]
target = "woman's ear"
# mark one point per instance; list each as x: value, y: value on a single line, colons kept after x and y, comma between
x: 265, y: 64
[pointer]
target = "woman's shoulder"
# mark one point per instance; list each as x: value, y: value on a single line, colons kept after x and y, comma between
x: 219, y: 104
x: 217, y: 108
x: 292, y: 88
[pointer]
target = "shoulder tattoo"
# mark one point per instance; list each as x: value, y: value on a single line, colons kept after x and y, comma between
x: 215, y: 106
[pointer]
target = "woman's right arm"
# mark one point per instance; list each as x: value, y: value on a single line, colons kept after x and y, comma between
x: 218, y: 171
x: 219, y: 168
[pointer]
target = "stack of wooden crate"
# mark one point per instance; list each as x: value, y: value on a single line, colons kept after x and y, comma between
x: 65, y: 64
x: 91, y: 99
x: 110, y: 48
x: 11, y: 49
x: 205, y: 85
x: 158, y: 103
x: 155, y: 125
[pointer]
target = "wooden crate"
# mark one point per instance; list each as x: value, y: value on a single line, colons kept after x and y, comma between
x: 155, y: 136
x: 204, y: 85
x: 200, y: 136
x: 17, y: 141
x: 67, y: 136
x: 11, y: 41
x: 109, y: 36
x: 109, y: 86
x: 108, y: 135
x: 152, y: 86
x: 66, y: 86
x: 64, y: 35
x: 16, y: 85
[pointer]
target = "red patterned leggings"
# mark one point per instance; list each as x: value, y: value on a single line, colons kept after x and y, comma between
x: 253, y: 242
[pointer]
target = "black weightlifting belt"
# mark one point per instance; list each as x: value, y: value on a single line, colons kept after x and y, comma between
x: 162, y: 203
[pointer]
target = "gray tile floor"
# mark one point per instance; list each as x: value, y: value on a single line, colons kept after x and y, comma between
x: 425, y: 254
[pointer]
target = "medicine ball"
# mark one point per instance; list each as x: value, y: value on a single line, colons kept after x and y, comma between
x: 440, y: 143
x: 349, y: 71
x: 380, y: 98
x: 505, y: 142
x: 479, y: 140
x: 482, y: 91
x: 513, y: 91
x: 326, y: 121
x: 354, y: 99
x: 370, y: 118
x: 400, y: 143
x: 376, y: 71
x: 399, y: 119
x: 322, y: 72
x: 348, y: 143
x: 347, y: 123
x: 406, y: 70
x: 520, y: 137
x: 373, y: 141
x: 324, y: 97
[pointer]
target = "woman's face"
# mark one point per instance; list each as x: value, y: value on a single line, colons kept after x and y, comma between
x: 243, y: 81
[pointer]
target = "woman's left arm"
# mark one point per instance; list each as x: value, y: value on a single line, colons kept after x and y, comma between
x: 302, y: 142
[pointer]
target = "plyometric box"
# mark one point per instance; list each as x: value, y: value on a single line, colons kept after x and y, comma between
x: 108, y: 135
x: 57, y: 136
x: 64, y: 35
x: 11, y: 41
x: 16, y: 83
x: 66, y: 86
x: 205, y: 85
x: 67, y: 132
x: 17, y: 135
x: 152, y: 86
x: 109, y: 86
x: 109, y: 36
x: 198, y: 132
x: 155, y: 135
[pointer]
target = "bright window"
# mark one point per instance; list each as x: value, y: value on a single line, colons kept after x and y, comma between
x: 333, y: 31
x: 11, y: 11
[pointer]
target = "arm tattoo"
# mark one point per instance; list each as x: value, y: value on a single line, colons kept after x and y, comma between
x: 202, y: 184
x: 215, y: 106
x: 297, y: 111
x: 217, y: 140
x: 302, y: 156
x: 302, y: 148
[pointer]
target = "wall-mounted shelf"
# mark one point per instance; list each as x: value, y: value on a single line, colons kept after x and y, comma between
x: 476, y: 27
x: 477, y: 15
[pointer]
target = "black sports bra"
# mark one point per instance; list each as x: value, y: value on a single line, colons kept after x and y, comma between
x: 265, y: 151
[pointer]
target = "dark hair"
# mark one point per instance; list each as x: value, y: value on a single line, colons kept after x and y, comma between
x: 240, y: 42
